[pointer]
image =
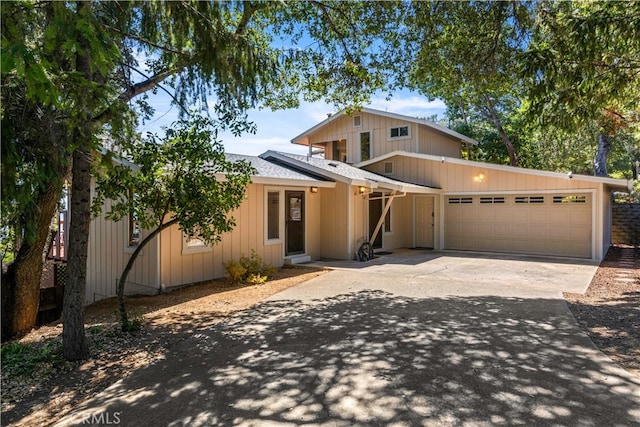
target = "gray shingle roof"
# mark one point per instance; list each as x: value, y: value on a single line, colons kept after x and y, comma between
x: 268, y: 169
x: 334, y: 169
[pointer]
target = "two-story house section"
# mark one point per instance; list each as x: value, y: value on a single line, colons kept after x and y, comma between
x: 370, y: 133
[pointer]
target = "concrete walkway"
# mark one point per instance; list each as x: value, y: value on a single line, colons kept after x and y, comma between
x: 411, y: 339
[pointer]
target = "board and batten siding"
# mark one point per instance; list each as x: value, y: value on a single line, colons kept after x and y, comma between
x: 460, y: 178
x: 422, y: 139
x: 430, y: 141
x: 178, y: 269
x: 107, y: 256
x: 473, y: 179
x: 334, y: 222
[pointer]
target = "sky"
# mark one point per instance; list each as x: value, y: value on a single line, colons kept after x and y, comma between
x: 275, y: 129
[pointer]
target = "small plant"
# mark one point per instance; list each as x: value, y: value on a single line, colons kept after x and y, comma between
x: 249, y: 269
x: 256, y: 279
x: 22, y: 359
x: 234, y: 271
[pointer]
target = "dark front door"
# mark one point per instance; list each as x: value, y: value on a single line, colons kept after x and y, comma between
x: 294, y: 230
x: 375, y: 212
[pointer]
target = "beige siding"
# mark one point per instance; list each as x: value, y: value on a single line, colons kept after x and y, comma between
x: 474, y: 179
x: 249, y: 234
x: 454, y: 178
x: 107, y: 257
x: 401, y: 235
x: 334, y: 222
x: 431, y: 141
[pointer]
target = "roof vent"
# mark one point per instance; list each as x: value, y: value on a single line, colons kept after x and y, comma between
x: 335, y: 165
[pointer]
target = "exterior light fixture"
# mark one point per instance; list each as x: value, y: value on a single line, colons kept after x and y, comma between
x: 478, y: 178
x: 314, y: 189
x: 362, y: 189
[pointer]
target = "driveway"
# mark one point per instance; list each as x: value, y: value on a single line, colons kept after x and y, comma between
x: 411, y: 339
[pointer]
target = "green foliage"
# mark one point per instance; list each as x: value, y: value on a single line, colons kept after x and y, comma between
x: 583, y: 63
x: 22, y: 359
x: 235, y: 271
x: 248, y: 269
x: 183, y: 177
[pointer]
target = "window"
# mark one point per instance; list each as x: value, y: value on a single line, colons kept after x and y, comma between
x: 194, y: 245
x: 399, y: 132
x: 273, y: 215
x: 529, y: 199
x: 357, y: 121
x: 460, y: 200
x: 387, y: 220
x: 496, y: 200
x: 133, y: 232
x: 365, y: 146
x: 569, y: 199
x: 388, y: 168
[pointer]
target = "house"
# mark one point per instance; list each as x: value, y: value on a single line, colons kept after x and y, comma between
x: 371, y: 177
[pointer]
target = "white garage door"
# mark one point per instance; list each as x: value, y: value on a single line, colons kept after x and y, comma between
x: 547, y: 224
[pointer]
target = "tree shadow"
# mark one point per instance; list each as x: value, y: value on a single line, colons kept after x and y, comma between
x: 371, y: 358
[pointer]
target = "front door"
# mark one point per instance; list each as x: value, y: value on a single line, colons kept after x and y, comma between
x: 294, y: 222
x: 424, y: 222
x: 375, y: 212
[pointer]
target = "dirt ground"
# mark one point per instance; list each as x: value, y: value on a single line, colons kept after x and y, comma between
x: 609, y: 312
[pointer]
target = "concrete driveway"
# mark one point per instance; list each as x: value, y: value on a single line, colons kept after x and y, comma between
x: 412, y: 339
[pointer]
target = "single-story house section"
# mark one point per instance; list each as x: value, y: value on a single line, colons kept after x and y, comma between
x: 371, y: 177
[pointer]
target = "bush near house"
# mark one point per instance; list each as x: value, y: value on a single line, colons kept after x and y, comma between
x: 249, y: 269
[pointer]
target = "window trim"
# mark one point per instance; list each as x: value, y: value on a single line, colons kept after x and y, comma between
x: 370, y: 145
x: 399, y: 137
x: 195, y: 249
x: 280, y: 239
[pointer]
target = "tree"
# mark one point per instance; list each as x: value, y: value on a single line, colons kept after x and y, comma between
x: 468, y: 56
x: 584, y: 69
x: 79, y: 59
x: 178, y: 182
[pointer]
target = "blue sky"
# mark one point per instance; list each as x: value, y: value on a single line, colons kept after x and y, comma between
x: 275, y: 129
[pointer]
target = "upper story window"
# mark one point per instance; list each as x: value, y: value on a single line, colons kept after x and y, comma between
x: 399, y: 132
x: 357, y: 121
x: 365, y: 146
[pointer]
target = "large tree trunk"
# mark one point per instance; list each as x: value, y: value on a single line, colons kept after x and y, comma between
x: 74, y: 342
x: 600, y: 161
x: 21, y: 281
x: 493, y: 116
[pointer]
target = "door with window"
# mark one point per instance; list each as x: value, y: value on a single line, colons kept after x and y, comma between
x: 294, y: 222
x: 375, y: 212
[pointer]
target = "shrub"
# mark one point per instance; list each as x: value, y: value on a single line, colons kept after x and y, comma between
x: 234, y: 271
x: 249, y: 269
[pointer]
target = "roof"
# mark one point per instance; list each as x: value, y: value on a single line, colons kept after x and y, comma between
x: 271, y: 173
x: 620, y: 183
x: 424, y: 122
x: 343, y: 172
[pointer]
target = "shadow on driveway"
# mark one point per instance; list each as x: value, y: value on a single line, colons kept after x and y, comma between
x: 371, y: 358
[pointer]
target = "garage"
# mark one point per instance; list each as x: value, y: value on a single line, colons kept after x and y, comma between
x: 543, y: 224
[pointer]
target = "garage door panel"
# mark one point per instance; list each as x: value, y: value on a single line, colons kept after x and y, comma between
x: 558, y: 226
